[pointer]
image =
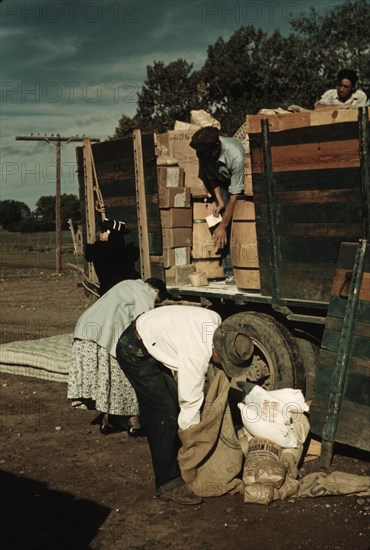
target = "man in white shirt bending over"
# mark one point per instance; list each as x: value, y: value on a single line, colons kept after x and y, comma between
x: 171, y: 338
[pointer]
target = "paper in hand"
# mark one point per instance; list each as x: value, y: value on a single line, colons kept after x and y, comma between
x: 213, y: 220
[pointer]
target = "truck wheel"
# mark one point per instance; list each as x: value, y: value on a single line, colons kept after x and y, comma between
x: 276, y: 351
x: 310, y: 355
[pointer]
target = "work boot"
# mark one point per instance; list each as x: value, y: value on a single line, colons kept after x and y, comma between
x: 181, y: 495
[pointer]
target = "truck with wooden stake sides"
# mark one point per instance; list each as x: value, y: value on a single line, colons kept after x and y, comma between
x: 299, y: 246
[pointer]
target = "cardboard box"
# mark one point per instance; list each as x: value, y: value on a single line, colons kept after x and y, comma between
x: 179, y: 275
x: 202, y: 209
x: 175, y: 143
x: 170, y: 176
x: 176, y: 237
x: 174, y: 197
x: 173, y: 256
x: 176, y: 217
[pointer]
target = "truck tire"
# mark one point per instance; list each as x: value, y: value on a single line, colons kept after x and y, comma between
x: 310, y: 354
x: 275, y: 349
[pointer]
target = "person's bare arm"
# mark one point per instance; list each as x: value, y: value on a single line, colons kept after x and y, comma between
x: 220, y: 233
x: 220, y: 203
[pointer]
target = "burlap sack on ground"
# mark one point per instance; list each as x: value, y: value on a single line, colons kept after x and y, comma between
x: 210, y: 457
x: 320, y: 484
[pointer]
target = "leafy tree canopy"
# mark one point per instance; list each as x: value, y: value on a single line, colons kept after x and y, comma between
x: 13, y: 211
x: 69, y: 205
x: 255, y: 70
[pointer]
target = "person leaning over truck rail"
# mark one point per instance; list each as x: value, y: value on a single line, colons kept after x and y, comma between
x: 221, y: 168
x: 171, y: 338
x: 95, y: 376
x: 345, y: 94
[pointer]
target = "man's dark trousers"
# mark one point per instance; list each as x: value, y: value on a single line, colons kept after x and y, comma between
x: 156, y: 392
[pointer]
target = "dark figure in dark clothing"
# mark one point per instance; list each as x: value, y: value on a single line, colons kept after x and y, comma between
x: 113, y: 260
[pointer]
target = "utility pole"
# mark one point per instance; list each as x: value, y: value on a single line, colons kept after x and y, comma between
x: 58, y: 226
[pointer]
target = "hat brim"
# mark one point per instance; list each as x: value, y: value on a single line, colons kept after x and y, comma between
x: 223, y: 340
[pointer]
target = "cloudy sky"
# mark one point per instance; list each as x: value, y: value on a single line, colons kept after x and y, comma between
x: 73, y: 67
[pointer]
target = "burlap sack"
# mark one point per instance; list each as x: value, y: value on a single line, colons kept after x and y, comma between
x: 257, y: 493
x: 291, y: 457
x: 270, y: 472
x: 260, y: 450
x: 210, y: 458
x: 320, y: 484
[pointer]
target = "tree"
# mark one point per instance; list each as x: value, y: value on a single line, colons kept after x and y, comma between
x: 13, y: 211
x: 45, y: 208
x: 169, y: 93
x: 69, y: 206
x: 339, y: 39
x: 255, y: 70
x: 125, y: 126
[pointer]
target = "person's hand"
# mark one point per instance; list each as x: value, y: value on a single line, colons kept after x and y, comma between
x: 218, y: 209
x: 220, y: 236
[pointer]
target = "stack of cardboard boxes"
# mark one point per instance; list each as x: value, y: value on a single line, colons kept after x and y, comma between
x: 176, y: 223
x: 187, y: 241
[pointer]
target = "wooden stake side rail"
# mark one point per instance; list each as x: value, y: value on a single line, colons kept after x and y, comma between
x: 142, y: 218
x: 340, y: 408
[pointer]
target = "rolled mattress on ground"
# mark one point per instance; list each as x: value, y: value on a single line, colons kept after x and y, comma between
x: 45, y: 358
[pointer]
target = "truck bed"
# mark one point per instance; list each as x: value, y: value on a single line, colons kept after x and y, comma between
x: 219, y: 291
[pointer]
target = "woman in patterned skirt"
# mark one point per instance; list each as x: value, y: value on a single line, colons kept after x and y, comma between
x: 95, y: 377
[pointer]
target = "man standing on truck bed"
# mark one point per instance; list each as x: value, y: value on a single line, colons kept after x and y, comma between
x: 345, y: 94
x: 221, y: 168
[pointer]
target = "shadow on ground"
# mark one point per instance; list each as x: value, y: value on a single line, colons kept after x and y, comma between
x: 35, y: 517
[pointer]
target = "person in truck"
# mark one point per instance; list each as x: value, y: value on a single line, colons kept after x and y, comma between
x: 221, y: 168
x: 345, y: 95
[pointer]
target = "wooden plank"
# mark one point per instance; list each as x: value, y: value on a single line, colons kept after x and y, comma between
x: 343, y: 372
x: 119, y: 187
x: 308, y: 134
x: 318, y: 196
x: 310, y: 156
x: 286, y: 121
x: 347, y: 257
x: 337, y: 307
x: 89, y: 205
x: 354, y: 426
x: 310, y: 250
x: 320, y: 213
x: 335, y: 116
x: 347, y: 231
x: 129, y: 200
x: 299, y: 280
x: 141, y: 206
x: 360, y: 328
x: 357, y: 389
x: 338, y: 288
x: 277, y: 122
x: 305, y: 180
x: 356, y: 365
x: 360, y: 344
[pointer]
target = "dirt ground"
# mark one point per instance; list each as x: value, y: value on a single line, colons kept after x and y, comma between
x: 65, y: 486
